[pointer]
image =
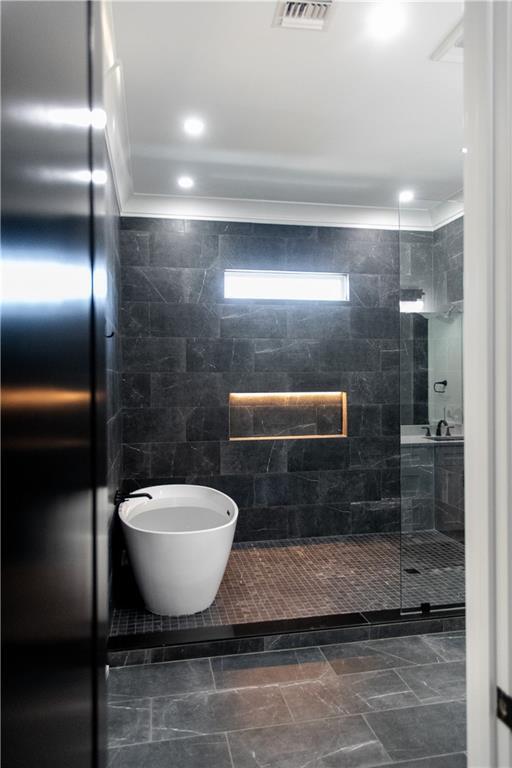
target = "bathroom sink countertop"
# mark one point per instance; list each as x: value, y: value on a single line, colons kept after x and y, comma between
x: 422, y: 440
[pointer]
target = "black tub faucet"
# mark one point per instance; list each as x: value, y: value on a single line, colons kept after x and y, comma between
x: 119, y: 496
x: 442, y: 423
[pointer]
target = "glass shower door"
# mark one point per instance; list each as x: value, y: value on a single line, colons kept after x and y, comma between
x: 431, y: 409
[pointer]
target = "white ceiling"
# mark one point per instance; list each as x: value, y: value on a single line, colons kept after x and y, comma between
x: 332, y: 117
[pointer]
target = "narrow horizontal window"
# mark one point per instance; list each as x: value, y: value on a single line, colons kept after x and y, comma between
x: 294, y: 286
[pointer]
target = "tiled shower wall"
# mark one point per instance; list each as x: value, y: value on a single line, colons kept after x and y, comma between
x: 434, y: 262
x: 112, y: 363
x: 113, y: 343
x: 448, y: 264
x: 185, y: 348
x: 449, y: 491
x: 432, y: 476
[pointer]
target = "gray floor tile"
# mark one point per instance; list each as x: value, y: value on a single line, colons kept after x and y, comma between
x: 445, y: 761
x: 348, y: 695
x: 211, y: 751
x: 413, y: 649
x: 271, y: 667
x: 335, y: 743
x: 437, y: 682
x: 126, y: 658
x: 129, y: 722
x: 160, y: 679
x: 177, y: 717
x: 348, y: 658
x: 320, y: 637
x: 451, y: 646
x: 421, y: 731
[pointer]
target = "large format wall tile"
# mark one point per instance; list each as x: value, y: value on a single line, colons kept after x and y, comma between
x: 182, y: 459
x: 185, y: 349
x: 135, y: 248
x: 250, y: 457
x: 152, y: 355
x: 251, y: 322
x: 187, y: 249
x: 113, y: 365
x: 183, y: 320
x: 148, y: 425
x: 218, y: 355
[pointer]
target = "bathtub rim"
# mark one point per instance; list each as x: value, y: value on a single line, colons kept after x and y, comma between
x: 130, y: 504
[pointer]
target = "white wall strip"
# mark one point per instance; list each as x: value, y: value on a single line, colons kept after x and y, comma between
x: 488, y: 376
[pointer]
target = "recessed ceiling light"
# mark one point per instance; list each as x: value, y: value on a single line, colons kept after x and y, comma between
x: 194, y: 126
x: 386, y: 20
x: 185, y: 182
x: 464, y: 150
x: 406, y: 195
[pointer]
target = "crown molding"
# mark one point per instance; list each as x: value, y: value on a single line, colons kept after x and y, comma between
x: 446, y: 212
x: 275, y: 212
x: 116, y: 128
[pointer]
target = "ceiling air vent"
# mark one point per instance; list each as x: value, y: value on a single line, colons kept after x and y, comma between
x: 302, y: 15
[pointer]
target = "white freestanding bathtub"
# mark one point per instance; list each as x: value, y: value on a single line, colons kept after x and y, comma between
x: 179, y: 543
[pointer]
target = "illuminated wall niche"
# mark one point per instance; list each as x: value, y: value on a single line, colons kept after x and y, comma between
x: 287, y: 415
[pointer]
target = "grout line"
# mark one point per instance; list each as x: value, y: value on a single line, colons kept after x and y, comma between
x: 397, y: 672
x: 421, y: 759
x: 376, y: 737
x: 320, y: 648
x: 292, y: 718
x: 226, y: 736
x: 212, y: 672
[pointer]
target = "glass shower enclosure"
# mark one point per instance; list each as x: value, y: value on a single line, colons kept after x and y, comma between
x: 431, y: 406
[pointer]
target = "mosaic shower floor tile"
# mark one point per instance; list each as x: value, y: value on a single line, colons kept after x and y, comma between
x: 295, y: 578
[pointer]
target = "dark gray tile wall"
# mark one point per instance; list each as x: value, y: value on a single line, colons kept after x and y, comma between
x: 417, y: 485
x: 113, y: 344
x: 113, y: 362
x: 432, y: 484
x: 434, y: 262
x: 432, y: 478
x: 416, y: 271
x: 449, y: 490
x: 413, y: 369
x: 448, y: 264
x: 416, y: 264
x: 185, y: 348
